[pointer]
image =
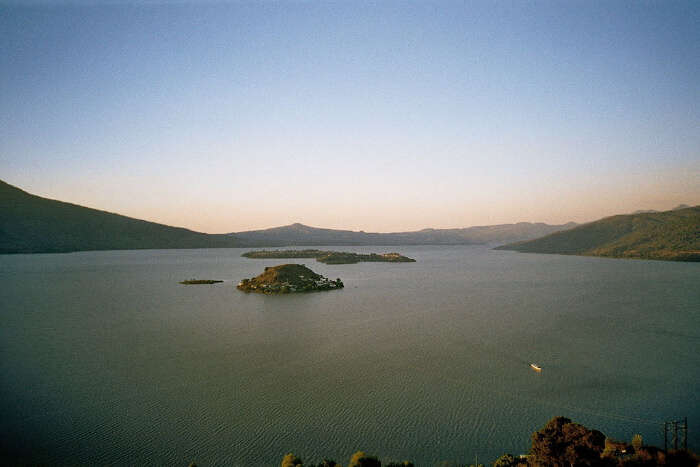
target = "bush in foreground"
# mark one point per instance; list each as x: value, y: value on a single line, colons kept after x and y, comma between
x: 360, y: 459
x: 560, y: 443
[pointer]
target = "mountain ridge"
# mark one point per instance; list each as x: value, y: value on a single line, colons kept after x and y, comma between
x: 298, y: 234
x: 667, y: 235
x: 33, y: 224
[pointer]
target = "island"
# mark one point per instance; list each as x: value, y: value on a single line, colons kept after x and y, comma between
x: 199, y: 281
x: 331, y: 257
x: 288, y: 278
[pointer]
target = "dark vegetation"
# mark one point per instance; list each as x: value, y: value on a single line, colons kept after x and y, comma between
x: 339, y: 257
x: 563, y: 443
x: 288, y: 278
x: 359, y: 459
x: 330, y: 257
x: 669, y: 235
x: 560, y: 443
x: 199, y: 281
x: 267, y: 254
x: 31, y: 224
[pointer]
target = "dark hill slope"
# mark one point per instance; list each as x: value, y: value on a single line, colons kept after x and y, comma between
x: 31, y: 224
x: 669, y: 235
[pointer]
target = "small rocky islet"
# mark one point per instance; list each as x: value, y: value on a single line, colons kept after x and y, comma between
x: 288, y: 278
x: 199, y: 281
x: 331, y: 257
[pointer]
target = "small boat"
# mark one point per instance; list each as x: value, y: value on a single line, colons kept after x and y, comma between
x: 535, y: 367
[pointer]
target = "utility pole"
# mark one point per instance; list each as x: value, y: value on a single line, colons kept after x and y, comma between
x: 673, y: 428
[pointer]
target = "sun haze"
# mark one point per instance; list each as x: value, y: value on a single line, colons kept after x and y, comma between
x: 387, y: 116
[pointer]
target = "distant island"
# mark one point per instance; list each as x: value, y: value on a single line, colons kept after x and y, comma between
x: 199, y: 281
x: 670, y: 235
x: 288, y: 278
x: 331, y: 257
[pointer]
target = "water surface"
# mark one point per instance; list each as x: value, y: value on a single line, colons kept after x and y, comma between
x: 106, y: 359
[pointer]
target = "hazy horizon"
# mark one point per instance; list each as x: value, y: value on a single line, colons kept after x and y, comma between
x: 225, y: 117
x: 681, y: 205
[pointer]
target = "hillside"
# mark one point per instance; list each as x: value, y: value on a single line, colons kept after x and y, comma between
x: 299, y: 234
x: 669, y: 235
x: 31, y: 224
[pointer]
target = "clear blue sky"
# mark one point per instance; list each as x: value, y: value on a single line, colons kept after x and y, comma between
x: 379, y: 116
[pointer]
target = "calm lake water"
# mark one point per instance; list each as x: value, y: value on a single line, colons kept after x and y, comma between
x: 106, y: 359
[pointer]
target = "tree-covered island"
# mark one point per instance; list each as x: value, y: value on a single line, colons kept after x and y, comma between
x: 288, y: 278
x: 330, y: 257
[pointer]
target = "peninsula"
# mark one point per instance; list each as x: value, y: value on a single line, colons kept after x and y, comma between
x: 288, y: 278
x: 331, y: 257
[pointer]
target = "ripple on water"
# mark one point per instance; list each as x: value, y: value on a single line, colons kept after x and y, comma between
x: 426, y: 362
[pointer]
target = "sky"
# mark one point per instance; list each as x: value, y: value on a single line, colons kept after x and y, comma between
x: 376, y: 116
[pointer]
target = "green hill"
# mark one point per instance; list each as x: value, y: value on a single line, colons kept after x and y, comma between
x: 670, y: 235
x: 31, y: 224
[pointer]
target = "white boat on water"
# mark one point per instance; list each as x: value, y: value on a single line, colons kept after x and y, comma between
x: 535, y: 367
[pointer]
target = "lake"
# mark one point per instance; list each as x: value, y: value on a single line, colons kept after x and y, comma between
x: 106, y: 359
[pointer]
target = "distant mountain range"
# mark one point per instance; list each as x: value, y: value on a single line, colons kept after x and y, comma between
x: 299, y: 234
x: 32, y: 224
x: 668, y: 235
x: 647, y: 211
